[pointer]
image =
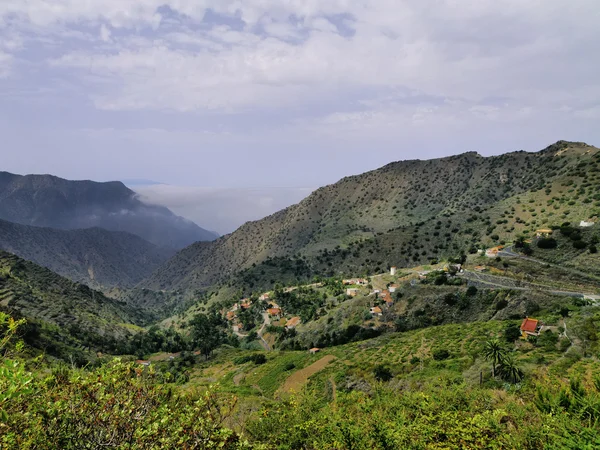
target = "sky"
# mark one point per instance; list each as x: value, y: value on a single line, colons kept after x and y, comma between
x: 273, y: 98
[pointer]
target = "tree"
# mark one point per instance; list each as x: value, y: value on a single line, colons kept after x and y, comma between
x: 494, y: 352
x: 509, y: 369
x: 512, y: 333
x: 206, y: 333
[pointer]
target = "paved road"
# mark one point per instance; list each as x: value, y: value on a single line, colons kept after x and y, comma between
x: 508, y: 252
x: 477, y: 278
x: 266, y: 321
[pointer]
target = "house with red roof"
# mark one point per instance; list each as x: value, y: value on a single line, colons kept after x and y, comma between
x: 376, y: 311
x: 529, y: 327
x: 274, y: 313
x: 292, y: 323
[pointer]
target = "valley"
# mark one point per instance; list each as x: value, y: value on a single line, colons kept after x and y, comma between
x: 427, y: 304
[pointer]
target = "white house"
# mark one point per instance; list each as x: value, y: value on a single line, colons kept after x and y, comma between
x: 393, y: 271
x: 585, y: 224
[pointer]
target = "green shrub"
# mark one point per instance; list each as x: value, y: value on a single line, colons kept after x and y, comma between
x: 440, y: 354
x: 382, y: 373
x: 547, y: 243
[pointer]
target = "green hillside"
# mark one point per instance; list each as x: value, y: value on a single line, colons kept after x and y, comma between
x: 93, y: 256
x: 64, y: 318
x: 406, y: 213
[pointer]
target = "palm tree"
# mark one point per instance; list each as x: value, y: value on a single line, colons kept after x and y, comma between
x: 509, y: 370
x: 494, y: 352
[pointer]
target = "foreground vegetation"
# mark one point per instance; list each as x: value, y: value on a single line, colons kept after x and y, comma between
x: 430, y: 388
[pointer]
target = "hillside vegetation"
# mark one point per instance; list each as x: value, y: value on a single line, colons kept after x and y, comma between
x: 406, y: 213
x: 63, y: 318
x: 93, y: 256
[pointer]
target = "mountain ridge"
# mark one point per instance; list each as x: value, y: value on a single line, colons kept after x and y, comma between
x: 393, y: 203
x: 54, y: 202
x: 94, y: 256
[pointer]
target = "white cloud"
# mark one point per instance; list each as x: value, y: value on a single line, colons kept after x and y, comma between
x: 104, y: 33
x: 221, y: 210
x: 291, y: 53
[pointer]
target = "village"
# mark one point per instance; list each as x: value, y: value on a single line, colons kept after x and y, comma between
x: 379, y: 293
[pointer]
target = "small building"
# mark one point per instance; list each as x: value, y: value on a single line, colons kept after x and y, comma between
x: 143, y: 362
x: 543, y: 233
x: 245, y: 303
x: 529, y: 327
x: 264, y: 297
x: 274, y: 313
x: 376, y: 292
x: 493, y: 252
x: 376, y: 311
x: 352, y: 292
x: 585, y: 224
x: 355, y: 281
x: 314, y: 350
x: 393, y: 270
x: 393, y: 288
x: 292, y: 323
x: 230, y: 315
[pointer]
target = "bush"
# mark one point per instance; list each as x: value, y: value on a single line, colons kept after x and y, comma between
x: 440, y: 354
x: 547, y: 243
x: 256, y: 358
x: 512, y: 333
x: 471, y: 291
x: 116, y: 406
x: 382, y: 373
x: 579, y: 245
x: 593, y: 249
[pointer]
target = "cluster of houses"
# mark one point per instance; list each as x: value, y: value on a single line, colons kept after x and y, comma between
x: 386, y: 296
x: 274, y: 311
x: 231, y: 315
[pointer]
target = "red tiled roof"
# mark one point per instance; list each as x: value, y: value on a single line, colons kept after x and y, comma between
x: 274, y: 311
x: 529, y: 325
x: 292, y: 322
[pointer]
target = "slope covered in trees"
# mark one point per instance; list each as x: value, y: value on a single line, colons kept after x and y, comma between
x: 403, y: 214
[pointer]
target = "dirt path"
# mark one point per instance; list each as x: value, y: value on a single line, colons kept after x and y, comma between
x: 238, y: 378
x: 297, y: 381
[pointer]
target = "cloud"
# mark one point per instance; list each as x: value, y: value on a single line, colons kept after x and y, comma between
x: 230, y: 56
x: 297, y: 92
x: 221, y: 210
x: 6, y: 61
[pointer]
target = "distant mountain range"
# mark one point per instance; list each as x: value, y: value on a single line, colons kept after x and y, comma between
x: 93, y: 256
x: 403, y: 214
x: 49, y: 201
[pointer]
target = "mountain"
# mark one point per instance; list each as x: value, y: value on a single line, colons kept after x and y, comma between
x: 403, y: 214
x: 92, y: 256
x: 62, y: 316
x: 49, y: 201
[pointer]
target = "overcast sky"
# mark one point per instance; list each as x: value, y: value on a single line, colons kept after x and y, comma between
x: 288, y: 93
